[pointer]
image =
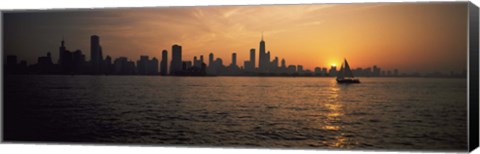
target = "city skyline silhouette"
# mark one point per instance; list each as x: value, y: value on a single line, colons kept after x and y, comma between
x: 75, y: 62
x: 387, y: 35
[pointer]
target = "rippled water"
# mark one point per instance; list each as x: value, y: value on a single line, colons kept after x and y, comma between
x: 379, y: 113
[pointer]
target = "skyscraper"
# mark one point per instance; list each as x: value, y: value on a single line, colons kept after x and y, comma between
x: 196, y: 62
x: 96, y: 54
x: 247, y: 65
x: 65, y: 59
x: 233, y: 69
x: 274, y: 65
x: 283, y: 68
x: 376, y: 70
x: 142, y: 65
x: 333, y: 71
x: 61, y: 51
x: 262, y: 58
x: 318, y: 71
x: 78, y: 60
x: 186, y: 65
x: 120, y: 65
x: 153, y: 66
x: 292, y: 69
x: 210, y: 60
x: 252, y: 59
x: 234, y: 59
x: 176, y: 65
x: 107, y: 65
x: 324, y: 71
x: 164, y: 63
x: 267, y: 61
x: 300, y: 69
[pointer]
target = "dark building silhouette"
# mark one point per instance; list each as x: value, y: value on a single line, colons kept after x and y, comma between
x: 198, y: 62
x: 46, y: 60
x: 211, y: 69
x: 210, y: 59
x: 11, y: 64
x: 333, y: 71
x: 61, y: 52
x: 324, y: 71
x: 79, y: 65
x: 274, y: 65
x: 233, y: 68
x: 317, y: 71
x: 186, y: 65
x: 164, y: 63
x: 252, y: 60
x: 65, y: 60
x: 44, y: 65
x: 131, y: 67
x: 307, y: 72
x: 107, y: 65
x: 300, y: 69
x: 145, y: 66
x: 250, y: 65
x: 216, y: 67
x: 267, y: 62
x: 13, y: 67
x: 70, y: 62
x: 153, y: 66
x: 283, y: 67
x: 96, y: 59
x: 142, y: 65
x: 367, y: 72
x: 292, y: 69
x: 396, y: 73
x: 376, y: 71
x: 262, y: 57
x: 247, y: 65
x: 201, y: 60
x: 234, y: 59
x: 23, y: 67
x: 176, y: 64
x: 122, y: 66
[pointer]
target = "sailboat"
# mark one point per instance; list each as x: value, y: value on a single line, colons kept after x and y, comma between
x: 345, y: 75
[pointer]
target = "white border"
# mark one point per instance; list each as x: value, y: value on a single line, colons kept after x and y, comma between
x: 49, y: 4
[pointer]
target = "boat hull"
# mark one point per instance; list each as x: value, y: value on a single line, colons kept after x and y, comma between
x: 348, y: 81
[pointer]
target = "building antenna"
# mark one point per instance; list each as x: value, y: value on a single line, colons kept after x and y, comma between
x: 262, y: 35
x: 63, y: 40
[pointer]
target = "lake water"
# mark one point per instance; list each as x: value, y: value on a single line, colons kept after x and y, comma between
x: 272, y: 112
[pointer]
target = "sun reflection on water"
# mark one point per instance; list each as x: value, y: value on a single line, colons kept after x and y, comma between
x: 334, y: 117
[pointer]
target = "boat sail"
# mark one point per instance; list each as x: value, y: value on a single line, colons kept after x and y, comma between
x: 345, y: 75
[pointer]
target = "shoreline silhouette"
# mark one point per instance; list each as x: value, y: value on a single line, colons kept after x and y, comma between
x: 75, y: 63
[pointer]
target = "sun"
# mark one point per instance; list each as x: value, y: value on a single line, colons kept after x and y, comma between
x: 333, y: 65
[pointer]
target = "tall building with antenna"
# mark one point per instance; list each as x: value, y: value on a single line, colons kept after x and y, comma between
x: 262, y: 58
x: 96, y: 59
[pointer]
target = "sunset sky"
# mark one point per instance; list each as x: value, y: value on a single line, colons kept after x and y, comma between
x: 422, y: 37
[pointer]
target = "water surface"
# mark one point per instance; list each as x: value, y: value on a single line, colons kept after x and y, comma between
x: 379, y: 113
